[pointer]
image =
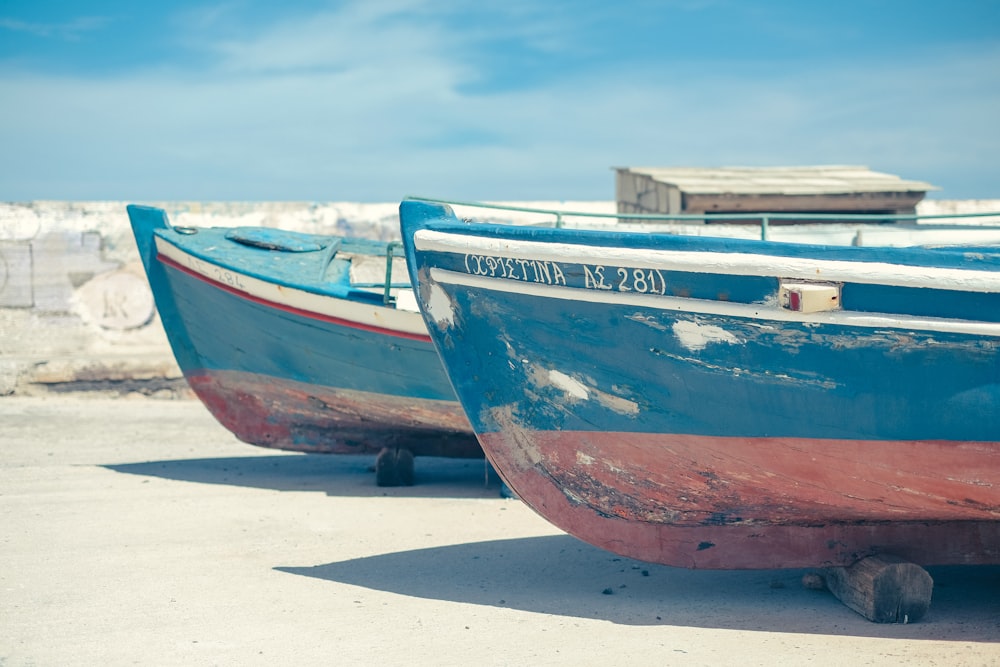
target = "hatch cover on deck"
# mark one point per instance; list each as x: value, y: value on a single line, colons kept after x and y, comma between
x: 275, y: 239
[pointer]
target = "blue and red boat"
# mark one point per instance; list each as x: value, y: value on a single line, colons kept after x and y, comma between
x: 723, y: 403
x: 303, y: 342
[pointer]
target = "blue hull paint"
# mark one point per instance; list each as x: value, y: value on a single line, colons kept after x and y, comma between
x: 647, y: 401
x: 768, y: 377
x: 796, y: 381
x: 278, y: 375
x: 294, y: 347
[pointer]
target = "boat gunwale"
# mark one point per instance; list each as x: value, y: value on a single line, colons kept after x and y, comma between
x: 363, y: 316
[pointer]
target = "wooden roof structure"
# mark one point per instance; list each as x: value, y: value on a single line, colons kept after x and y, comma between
x: 808, y: 189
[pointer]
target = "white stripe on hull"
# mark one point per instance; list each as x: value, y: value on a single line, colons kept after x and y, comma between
x: 742, y: 264
x: 762, y: 311
x: 383, y: 317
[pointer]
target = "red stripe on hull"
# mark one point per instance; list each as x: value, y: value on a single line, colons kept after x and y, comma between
x: 291, y: 309
x: 709, y: 502
x: 282, y: 414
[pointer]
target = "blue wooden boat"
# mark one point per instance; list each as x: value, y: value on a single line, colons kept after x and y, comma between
x: 303, y: 342
x: 718, y: 403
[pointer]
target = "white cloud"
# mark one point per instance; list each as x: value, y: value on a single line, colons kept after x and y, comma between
x: 364, y: 105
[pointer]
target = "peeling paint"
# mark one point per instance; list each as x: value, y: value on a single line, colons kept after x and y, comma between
x: 568, y: 384
x: 620, y: 405
x: 285, y: 414
x: 648, y: 320
x: 521, y: 450
x: 439, y: 307
x: 581, y: 391
x: 696, y: 336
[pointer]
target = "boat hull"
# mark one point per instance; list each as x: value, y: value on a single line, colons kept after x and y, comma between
x: 285, y: 368
x: 279, y: 413
x: 742, y: 504
x: 688, y: 419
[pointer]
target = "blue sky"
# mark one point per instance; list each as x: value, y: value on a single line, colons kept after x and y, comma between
x: 504, y: 100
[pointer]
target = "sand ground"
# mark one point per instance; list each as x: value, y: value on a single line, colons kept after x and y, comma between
x: 140, y: 532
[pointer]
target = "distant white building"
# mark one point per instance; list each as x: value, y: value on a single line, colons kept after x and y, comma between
x: 810, y: 189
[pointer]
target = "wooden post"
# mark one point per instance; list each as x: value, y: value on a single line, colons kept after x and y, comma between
x: 883, y: 589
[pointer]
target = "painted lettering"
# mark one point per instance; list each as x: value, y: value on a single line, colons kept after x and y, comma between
x: 523, y: 264
x: 546, y: 272
x: 227, y: 277
x: 593, y: 278
x: 558, y: 278
x: 643, y: 281
x: 526, y: 270
x: 115, y: 305
x: 542, y: 273
x: 623, y: 280
x: 217, y: 273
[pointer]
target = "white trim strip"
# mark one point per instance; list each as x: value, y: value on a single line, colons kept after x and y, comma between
x: 403, y: 321
x: 744, y: 264
x: 759, y: 312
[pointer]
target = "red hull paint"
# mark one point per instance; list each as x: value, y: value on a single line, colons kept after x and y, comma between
x: 281, y: 414
x: 740, y: 503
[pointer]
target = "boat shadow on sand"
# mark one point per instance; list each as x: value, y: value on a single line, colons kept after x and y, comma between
x: 332, y: 474
x: 563, y: 576
x: 560, y: 575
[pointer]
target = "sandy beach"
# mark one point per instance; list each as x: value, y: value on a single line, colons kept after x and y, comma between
x: 139, y: 531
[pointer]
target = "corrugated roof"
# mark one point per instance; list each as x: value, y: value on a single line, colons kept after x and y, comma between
x: 814, y: 180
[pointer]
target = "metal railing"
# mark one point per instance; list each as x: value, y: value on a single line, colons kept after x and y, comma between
x: 764, y: 219
x: 390, y: 249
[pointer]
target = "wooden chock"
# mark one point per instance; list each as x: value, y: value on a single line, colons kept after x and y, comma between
x: 883, y: 589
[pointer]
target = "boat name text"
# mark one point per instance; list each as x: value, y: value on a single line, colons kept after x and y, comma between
x: 587, y: 276
x: 216, y: 273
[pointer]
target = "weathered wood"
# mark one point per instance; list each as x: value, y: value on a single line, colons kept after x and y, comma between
x: 863, y: 202
x: 394, y: 467
x: 883, y: 589
x: 831, y: 189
